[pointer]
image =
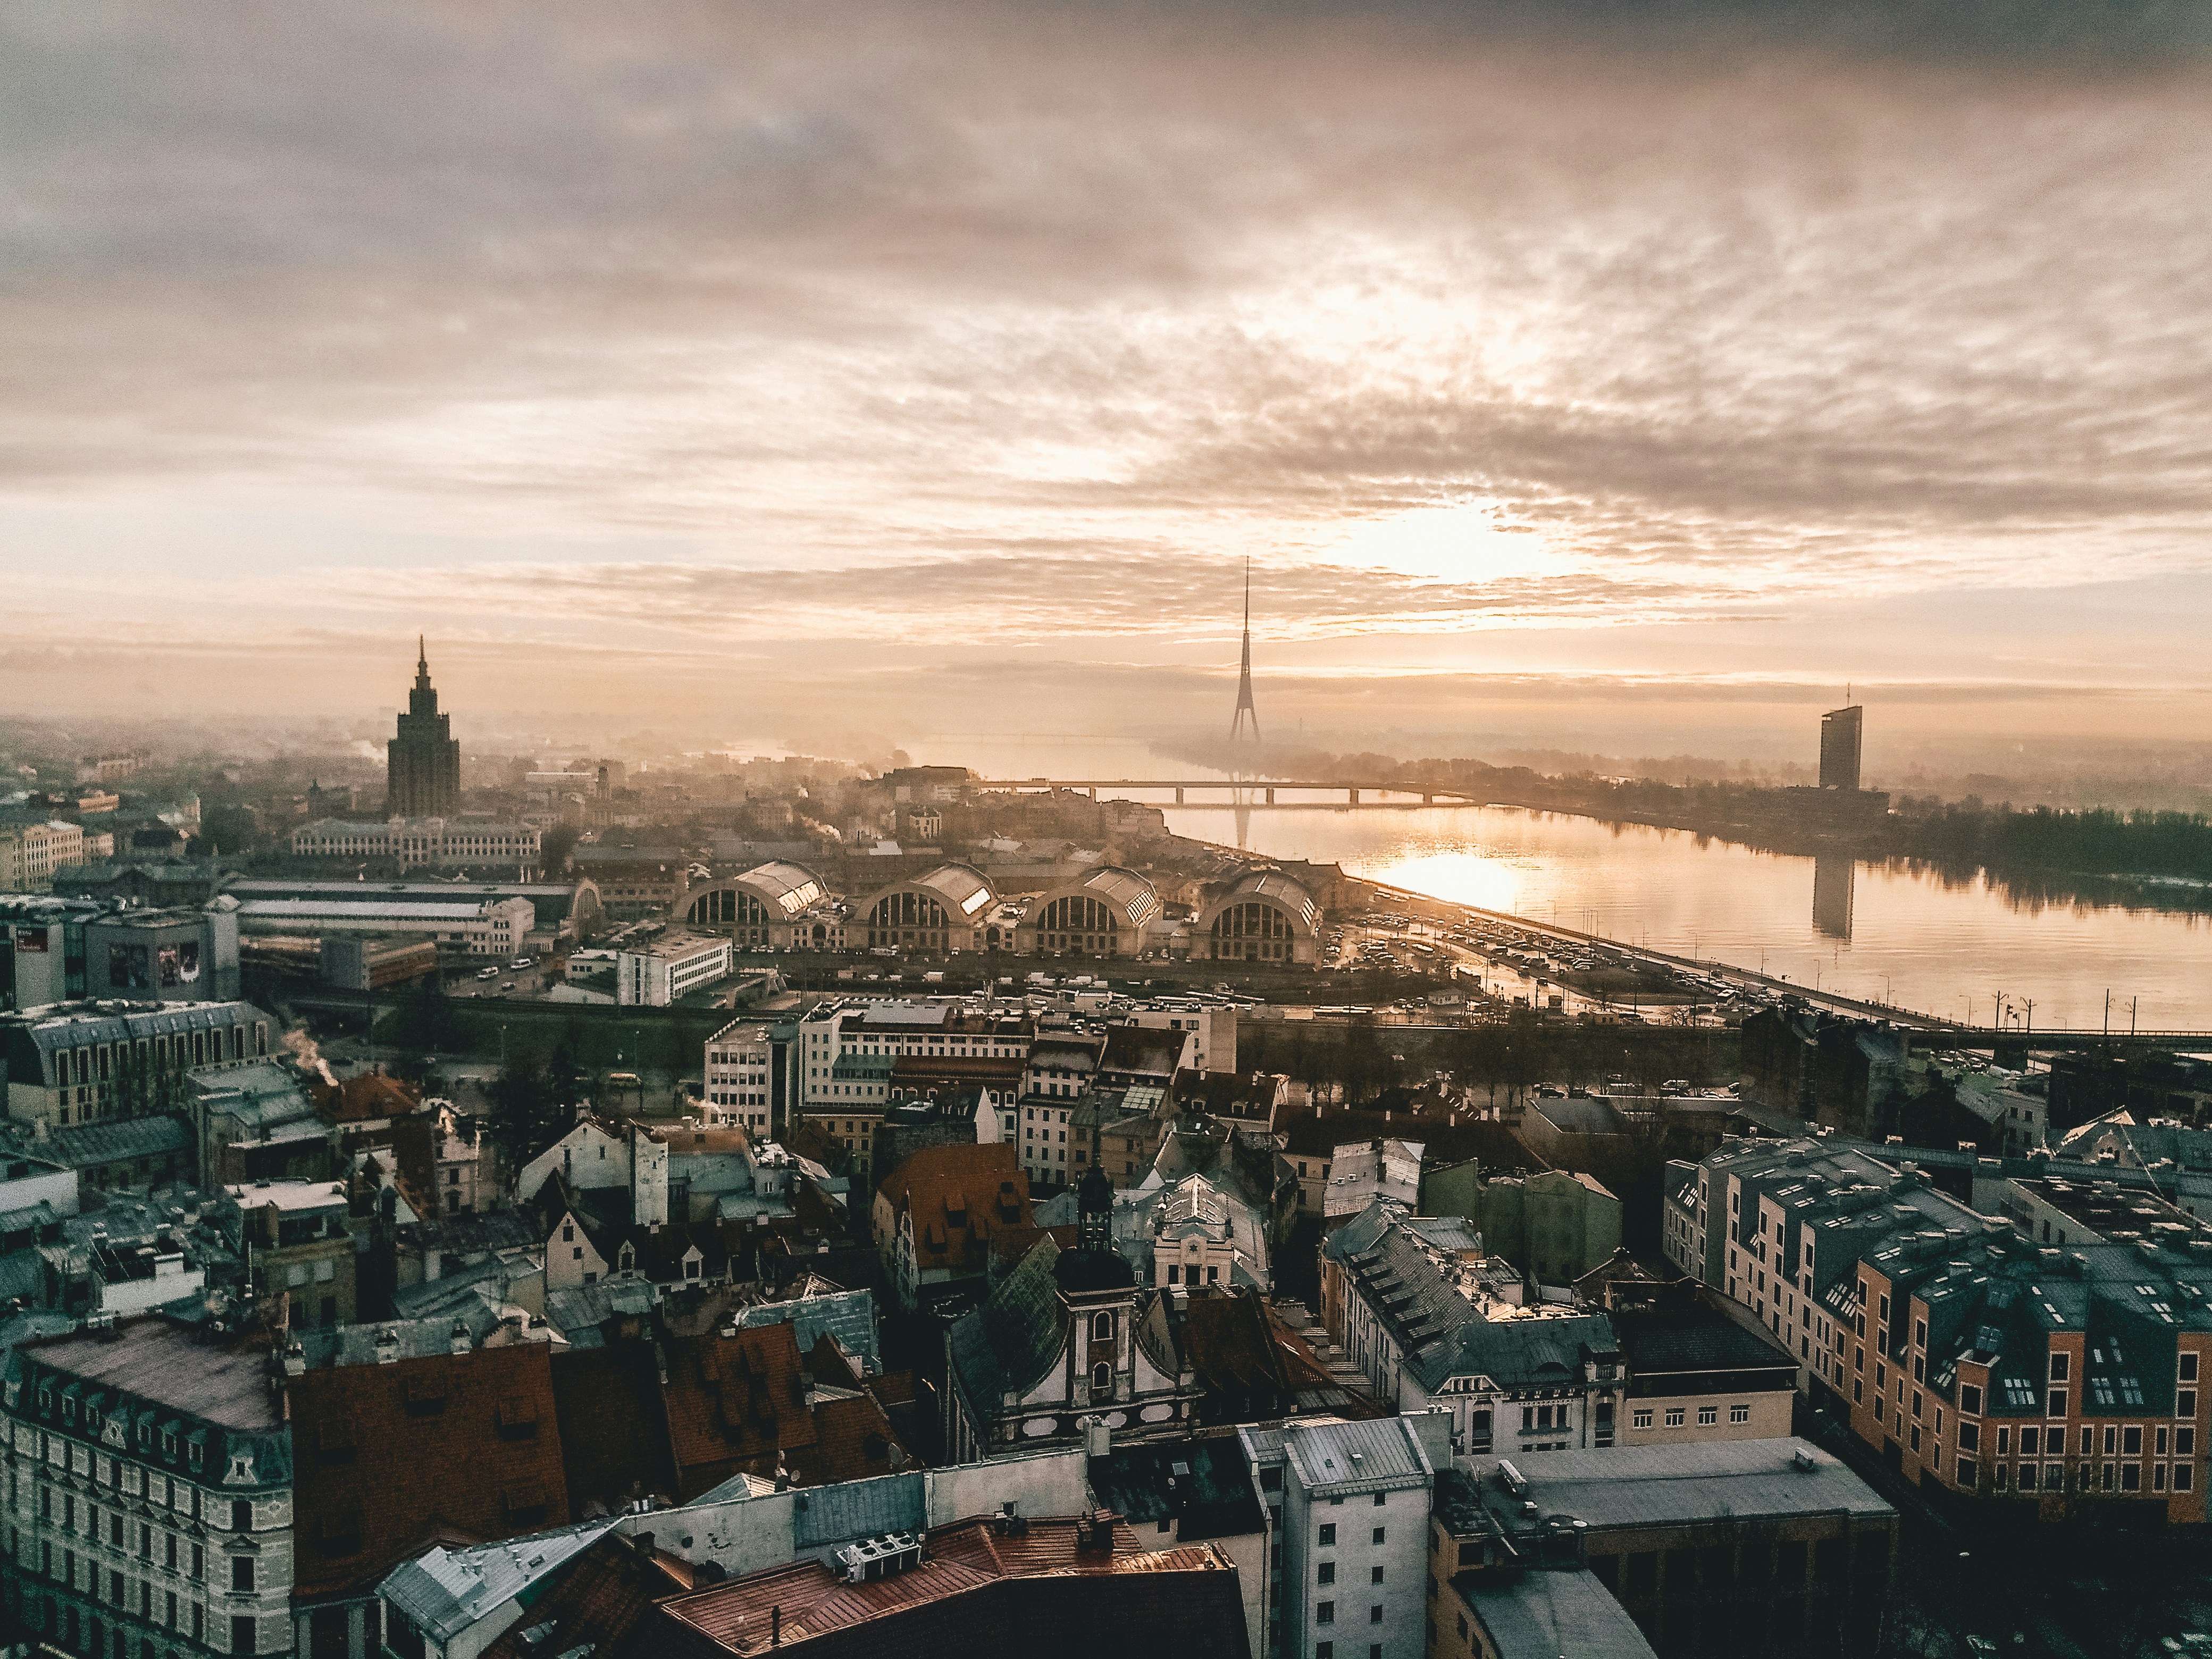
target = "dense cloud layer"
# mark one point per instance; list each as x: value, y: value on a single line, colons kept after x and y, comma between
x: 661, y: 325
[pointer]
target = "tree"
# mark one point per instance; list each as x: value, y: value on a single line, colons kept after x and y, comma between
x: 555, y: 845
x: 525, y: 1117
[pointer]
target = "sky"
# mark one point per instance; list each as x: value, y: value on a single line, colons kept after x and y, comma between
x: 1627, y: 375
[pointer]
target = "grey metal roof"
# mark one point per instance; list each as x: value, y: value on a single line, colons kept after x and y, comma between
x: 443, y: 1591
x: 849, y: 1315
x: 1552, y: 1615
x: 847, y: 1509
x: 1375, y: 1456
x: 789, y: 888
x: 1277, y: 888
x: 113, y: 1140
x: 72, y: 1028
x: 1672, y: 1486
x: 961, y: 886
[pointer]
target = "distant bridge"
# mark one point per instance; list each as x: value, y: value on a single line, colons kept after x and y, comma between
x: 1355, y: 794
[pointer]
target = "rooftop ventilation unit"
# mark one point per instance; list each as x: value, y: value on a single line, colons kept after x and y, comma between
x: 881, y: 1557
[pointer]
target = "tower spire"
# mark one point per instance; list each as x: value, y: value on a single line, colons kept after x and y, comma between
x: 1246, y: 713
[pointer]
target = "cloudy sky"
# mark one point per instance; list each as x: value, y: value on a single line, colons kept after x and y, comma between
x: 1593, y: 370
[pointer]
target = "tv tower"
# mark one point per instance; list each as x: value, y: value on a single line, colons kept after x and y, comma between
x: 1246, y: 713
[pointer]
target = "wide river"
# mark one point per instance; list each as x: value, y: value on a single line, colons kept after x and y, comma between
x: 1863, y: 930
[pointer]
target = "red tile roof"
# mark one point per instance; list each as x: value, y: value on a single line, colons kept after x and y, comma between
x: 464, y: 1446
x: 960, y: 1197
x: 979, y: 1593
x: 733, y: 1403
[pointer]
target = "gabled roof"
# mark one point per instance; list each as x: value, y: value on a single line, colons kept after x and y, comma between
x: 734, y: 1403
x: 956, y: 1198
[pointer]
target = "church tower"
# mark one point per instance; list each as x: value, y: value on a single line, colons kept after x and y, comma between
x: 423, y: 763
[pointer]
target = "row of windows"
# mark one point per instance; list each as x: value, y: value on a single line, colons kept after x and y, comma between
x: 1708, y: 1416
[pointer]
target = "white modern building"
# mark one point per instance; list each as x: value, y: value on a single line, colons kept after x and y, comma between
x: 668, y: 969
x: 740, y: 1075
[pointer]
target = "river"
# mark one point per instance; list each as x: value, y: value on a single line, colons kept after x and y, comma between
x: 1862, y: 930
x: 1886, y: 935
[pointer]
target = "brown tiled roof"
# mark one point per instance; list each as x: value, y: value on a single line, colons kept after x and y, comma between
x: 981, y: 1594
x: 464, y: 1446
x: 605, y: 1598
x: 853, y: 1439
x: 733, y: 1403
x: 960, y: 1197
x: 912, y: 1070
x: 614, y: 1435
x: 371, y: 1095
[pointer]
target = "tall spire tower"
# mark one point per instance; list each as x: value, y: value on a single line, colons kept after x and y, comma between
x: 423, y: 762
x: 1246, y: 714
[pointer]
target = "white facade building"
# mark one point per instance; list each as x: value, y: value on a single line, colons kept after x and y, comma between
x: 438, y: 842
x: 1354, y: 1532
x: 740, y: 1072
x: 668, y: 969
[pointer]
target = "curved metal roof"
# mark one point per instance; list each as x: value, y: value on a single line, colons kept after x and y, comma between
x: 1129, y: 894
x: 1276, y: 888
x: 960, y: 886
x: 789, y: 888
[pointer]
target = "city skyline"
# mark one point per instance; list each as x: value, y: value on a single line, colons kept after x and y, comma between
x: 1586, y: 379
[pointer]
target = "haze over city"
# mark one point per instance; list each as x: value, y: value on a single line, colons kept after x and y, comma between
x: 1574, y: 377
x: 1106, y: 829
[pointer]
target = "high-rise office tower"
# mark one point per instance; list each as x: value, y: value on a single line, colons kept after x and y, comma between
x: 1841, y: 730
x: 422, y: 764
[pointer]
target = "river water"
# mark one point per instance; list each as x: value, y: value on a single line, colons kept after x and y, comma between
x: 1885, y: 935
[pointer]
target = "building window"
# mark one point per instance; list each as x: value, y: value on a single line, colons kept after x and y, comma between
x: 1708, y: 1416
x: 1325, y: 1573
x: 1324, y: 1613
x: 1739, y: 1413
x: 1326, y: 1538
x: 1674, y: 1417
x: 1641, y: 1419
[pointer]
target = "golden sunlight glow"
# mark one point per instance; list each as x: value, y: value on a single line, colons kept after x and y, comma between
x: 1471, y: 541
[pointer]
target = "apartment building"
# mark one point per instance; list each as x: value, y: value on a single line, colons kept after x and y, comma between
x: 30, y: 853
x: 1972, y: 1356
x: 740, y: 1076
x: 150, y: 1502
x: 72, y: 1064
x: 1350, y: 1505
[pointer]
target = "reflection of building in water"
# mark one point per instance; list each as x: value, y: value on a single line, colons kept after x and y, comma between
x: 1834, y: 877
